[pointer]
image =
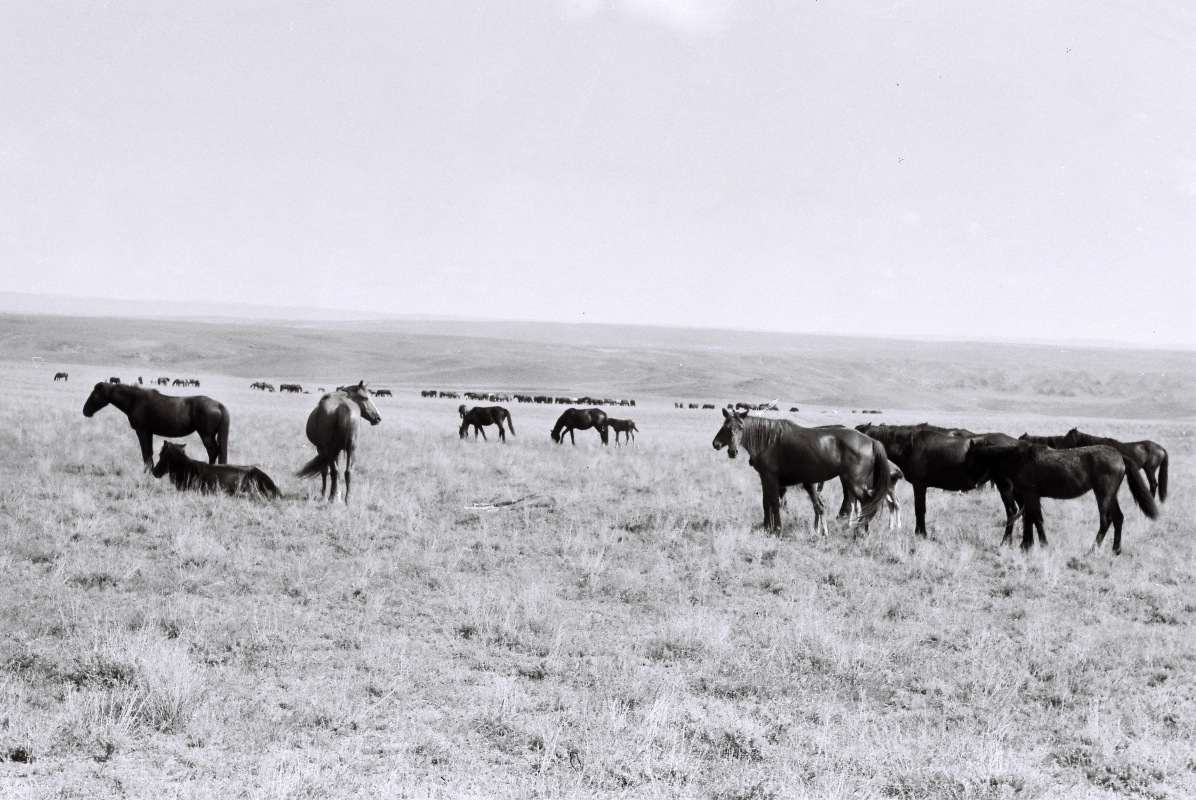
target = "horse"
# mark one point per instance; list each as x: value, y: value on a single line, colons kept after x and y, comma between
x: 152, y: 414
x: 114, y: 381
x: 934, y: 458
x: 480, y: 416
x: 61, y: 376
x: 786, y: 454
x: 383, y: 393
x: 1145, y: 455
x: 623, y: 426
x: 332, y: 427
x: 580, y: 419
x: 851, y: 505
x: 187, y: 473
x: 290, y: 387
x: 1037, y: 471
x: 163, y: 381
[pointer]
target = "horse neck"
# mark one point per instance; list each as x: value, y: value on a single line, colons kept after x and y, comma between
x: 758, y: 435
x: 121, y: 396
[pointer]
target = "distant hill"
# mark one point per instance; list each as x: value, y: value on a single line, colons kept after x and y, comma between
x: 627, y: 361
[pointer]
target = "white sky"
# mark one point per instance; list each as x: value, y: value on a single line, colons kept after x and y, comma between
x: 1025, y: 170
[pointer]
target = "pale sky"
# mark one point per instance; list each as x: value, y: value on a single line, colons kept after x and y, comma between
x: 1005, y: 170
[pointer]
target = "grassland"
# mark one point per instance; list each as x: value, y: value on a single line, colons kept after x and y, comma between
x: 642, y: 638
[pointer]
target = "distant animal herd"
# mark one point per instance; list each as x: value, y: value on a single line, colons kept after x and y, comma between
x: 867, y: 460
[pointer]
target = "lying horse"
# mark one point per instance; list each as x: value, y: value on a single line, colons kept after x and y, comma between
x: 332, y: 428
x: 581, y: 419
x: 786, y: 454
x: 623, y: 426
x: 152, y: 414
x: 480, y: 416
x: 934, y: 458
x: 1037, y: 471
x: 187, y: 473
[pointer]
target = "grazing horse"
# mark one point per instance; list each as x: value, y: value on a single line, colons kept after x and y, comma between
x: 187, y: 473
x: 152, y: 414
x: 1145, y: 455
x: 1037, y: 471
x: 290, y: 387
x: 934, y: 458
x: 785, y: 454
x: 480, y: 416
x: 163, y: 381
x: 580, y: 419
x: 61, y: 376
x: 623, y: 426
x: 383, y: 393
x: 332, y: 427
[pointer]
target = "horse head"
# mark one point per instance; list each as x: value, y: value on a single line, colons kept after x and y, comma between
x: 361, y: 396
x: 100, y: 396
x: 170, y: 454
x: 731, y: 433
x: 463, y: 410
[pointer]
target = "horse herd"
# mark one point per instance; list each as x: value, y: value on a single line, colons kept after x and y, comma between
x: 867, y: 460
x: 496, y: 397
x: 1023, y: 470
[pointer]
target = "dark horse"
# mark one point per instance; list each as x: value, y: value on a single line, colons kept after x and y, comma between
x: 1037, y: 471
x: 934, y: 458
x: 152, y: 414
x: 623, y: 426
x: 332, y: 427
x: 1146, y: 455
x: 786, y: 454
x: 61, y: 376
x: 187, y: 473
x: 480, y: 416
x: 581, y: 419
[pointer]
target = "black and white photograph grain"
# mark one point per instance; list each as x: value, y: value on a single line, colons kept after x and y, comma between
x: 597, y: 399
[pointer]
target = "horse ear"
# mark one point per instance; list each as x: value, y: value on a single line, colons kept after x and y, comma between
x: 726, y: 413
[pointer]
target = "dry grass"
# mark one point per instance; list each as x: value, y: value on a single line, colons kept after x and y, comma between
x: 643, y: 638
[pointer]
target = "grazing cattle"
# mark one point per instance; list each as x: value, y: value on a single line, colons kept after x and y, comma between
x: 61, y: 376
x: 785, y: 454
x: 580, y: 419
x: 1037, y: 471
x: 152, y: 414
x: 623, y: 426
x: 1146, y: 455
x: 383, y: 393
x: 480, y: 416
x: 163, y: 381
x: 294, y: 388
x: 188, y: 474
x: 933, y: 457
x: 332, y: 428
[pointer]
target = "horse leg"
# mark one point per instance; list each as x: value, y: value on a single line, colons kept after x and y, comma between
x: 502, y: 433
x: 332, y: 488
x: 819, y: 508
x: 146, y: 440
x: 919, y: 508
x: 847, y: 507
x: 572, y: 438
x: 212, y: 446
x: 348, y: 474
x: 894, y: 511
x: 479, y: 429
x: 1030, y: 514
x: 1010, y: 502
x: 1102, y: 508
x: 1150, y: 478
x: 1118, y: 518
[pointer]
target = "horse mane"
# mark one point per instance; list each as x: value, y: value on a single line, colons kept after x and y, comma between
x: 1086, y: 439
x: 761, y: 433
x: 180, y: 466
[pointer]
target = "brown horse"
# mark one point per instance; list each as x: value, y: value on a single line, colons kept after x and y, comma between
x: 480, y: 416
x: 1037, y: 471
x: 152, y: 414
x: 187, y: 473
x: 581, y: 419
x: 785, y: 454
x: 332, y: 428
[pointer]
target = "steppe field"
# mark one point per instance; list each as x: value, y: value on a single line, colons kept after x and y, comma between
x: 641, y: 636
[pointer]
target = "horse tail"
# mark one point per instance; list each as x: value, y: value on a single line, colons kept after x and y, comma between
x: 1140, y: 490
x: 318, y: 464
x: 510, y: 424
x: 222, y: 436
x: 880, y: 485
x: 1163, y: 478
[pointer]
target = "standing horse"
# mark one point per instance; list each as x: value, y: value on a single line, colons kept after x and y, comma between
x: 332, y: 428
x: 61, y: 376
x: 1145, y: 455
x: 785, y: 454
x: 931, y: 458
x: 1037, y: 471
x: 152, y: 414
x: 581, y: 419
x: 480, y: 416
x: 623, y: 426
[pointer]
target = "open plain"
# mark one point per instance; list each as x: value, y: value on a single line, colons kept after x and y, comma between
x: 637, y: 636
